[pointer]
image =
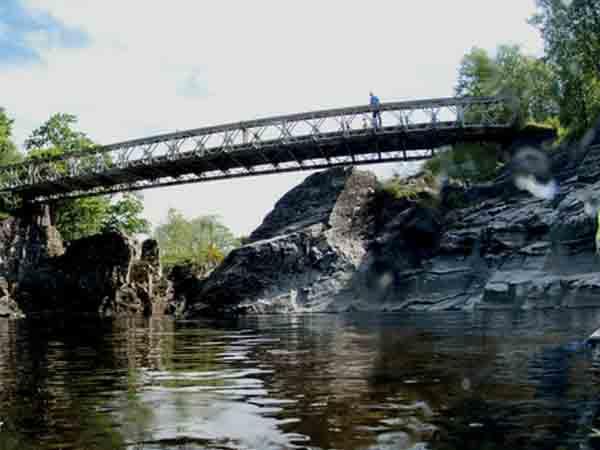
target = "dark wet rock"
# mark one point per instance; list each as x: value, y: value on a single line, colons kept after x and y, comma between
x: 185, y: 284
x: 26, y: 241
x: 8, y: 307
x: 325, y: 197
x: 334, y: 244
x: 534, y: 289
x: 304, y: 253
x: 100, y: 273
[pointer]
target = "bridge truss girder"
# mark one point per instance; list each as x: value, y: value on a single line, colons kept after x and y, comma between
x: 316, y: 140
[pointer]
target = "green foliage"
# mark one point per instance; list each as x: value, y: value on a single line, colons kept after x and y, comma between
x: 8, y: 150
x: 125, y: 215
x: 467, y: 162
x: 571, y: 34
x: 8, y: 155
x: 58, y: 132
x: 511, y: 73
x: 477, y: 74
x: 202, y: 241
x: 81, y: 217
x: 77, y: 218
x: 409, y: 189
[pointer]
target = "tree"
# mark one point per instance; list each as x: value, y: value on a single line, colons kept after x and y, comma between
x: 477, y: 74
x: 8, y: 150
x: 571, y: 34
x: 203, y: 241
x: 8, y: 155
x: 81, y: 217
x: 125, y: 215
x: 58, y: 132
x: 77, y: 218
x: 511, y: 73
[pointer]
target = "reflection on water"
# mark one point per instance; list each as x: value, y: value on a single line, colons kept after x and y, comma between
x: 494, y: 380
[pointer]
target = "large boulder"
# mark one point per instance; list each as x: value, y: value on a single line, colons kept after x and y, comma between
x: 304, y: 253
x: 100, y: 273
x: 331, y: 245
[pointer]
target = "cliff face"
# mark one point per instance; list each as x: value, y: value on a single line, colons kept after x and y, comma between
x: 303, y: 254
x: 104, y: 274
x: 26, y: 241
x: 331, y: 244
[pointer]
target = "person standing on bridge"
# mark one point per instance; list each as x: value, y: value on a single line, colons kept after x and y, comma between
x: 375, y: 104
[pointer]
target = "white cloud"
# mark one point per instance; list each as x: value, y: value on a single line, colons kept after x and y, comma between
x: 240, y: 60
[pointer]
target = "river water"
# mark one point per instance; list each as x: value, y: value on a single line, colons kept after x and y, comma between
x: 487, y: 380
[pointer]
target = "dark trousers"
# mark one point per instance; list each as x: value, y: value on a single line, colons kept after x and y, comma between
x: 376, y: 119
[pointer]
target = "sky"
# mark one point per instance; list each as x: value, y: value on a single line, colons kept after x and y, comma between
x: 130, y: 69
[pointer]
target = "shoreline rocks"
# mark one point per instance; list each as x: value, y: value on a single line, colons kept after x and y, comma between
x: 104, y: 274
x: 335, y: 244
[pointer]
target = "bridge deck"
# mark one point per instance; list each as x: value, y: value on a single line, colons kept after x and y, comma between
x: 247, y: 149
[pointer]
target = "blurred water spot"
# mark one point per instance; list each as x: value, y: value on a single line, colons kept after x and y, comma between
x: 385, y: 280
x: 529, y: 183
x: 590, y: 135
x: 591, y: 203
x: 466, y: 384
x: 531, y: 172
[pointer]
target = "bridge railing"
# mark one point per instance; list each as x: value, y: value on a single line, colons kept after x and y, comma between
x: 467, y: 112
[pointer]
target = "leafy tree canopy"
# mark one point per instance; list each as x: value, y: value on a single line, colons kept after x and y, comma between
x: 511, y: 73
x: 57, y: 132
x: 9, y: 154
x: 125, y: 215
x: 8, y: 150
x: 571, y: 34
x: 203, y: 241
x: 77, y: 218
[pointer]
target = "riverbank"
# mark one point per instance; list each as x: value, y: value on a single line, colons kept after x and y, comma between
x: 338, y: 242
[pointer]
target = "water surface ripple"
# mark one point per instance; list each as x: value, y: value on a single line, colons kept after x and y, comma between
x: 493, y: 380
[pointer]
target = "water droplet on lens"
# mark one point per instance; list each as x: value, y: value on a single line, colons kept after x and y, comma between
x: 529, y: 183
x: 574, y: 68
x: 466, y: 384
x: 385, y: 280
x: 532, y: 172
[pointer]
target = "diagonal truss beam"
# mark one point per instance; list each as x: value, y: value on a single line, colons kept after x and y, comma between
x: 326, y: 136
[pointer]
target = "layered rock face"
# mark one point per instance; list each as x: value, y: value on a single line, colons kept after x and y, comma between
x: 26, y: 241
x: 332, y: 245
x: 302, y: 255
x: 104, y: 274
x: 101, y: 274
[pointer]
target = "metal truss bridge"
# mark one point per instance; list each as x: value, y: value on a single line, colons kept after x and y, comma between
x: 346, y: 136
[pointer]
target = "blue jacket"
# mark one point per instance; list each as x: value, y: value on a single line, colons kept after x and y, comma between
x: 374, y: 101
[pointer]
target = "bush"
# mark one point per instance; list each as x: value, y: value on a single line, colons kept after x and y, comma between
x: 467, y: 162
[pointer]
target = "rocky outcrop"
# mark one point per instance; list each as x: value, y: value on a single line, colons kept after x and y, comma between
x: 302, y: 255
x: 105, y: 273
x: 102, y: 274
x: 27, y: 240
x: 333, y: 244
x: 8, y: 307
